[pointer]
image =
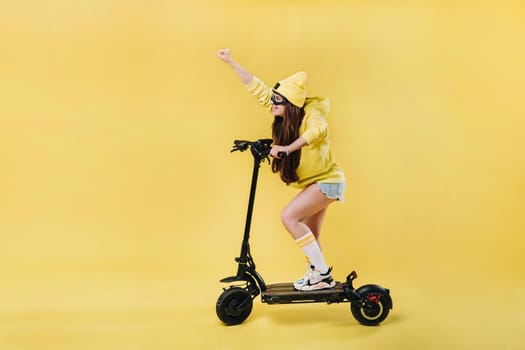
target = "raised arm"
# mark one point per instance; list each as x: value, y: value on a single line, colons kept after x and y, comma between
x: 255, y: 86
x: 244, y: 75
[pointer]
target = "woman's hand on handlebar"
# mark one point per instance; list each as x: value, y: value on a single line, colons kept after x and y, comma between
x: 279, y: 151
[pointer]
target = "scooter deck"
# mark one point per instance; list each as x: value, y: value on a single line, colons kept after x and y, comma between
x: 284, y: 293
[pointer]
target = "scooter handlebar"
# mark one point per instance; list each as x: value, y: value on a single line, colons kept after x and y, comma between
x: 263, y: 147
x: 240, y: 145
x: 260, y: 149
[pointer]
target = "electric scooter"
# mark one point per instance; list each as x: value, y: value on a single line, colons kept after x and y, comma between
x: 369, y: 304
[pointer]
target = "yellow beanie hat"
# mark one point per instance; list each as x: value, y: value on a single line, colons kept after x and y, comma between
x: 293, y: 88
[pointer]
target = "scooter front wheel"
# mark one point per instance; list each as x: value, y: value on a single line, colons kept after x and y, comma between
x: 234, y: 306
x: 374, y: 306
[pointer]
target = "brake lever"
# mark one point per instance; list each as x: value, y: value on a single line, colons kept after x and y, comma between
x: 240, y: 145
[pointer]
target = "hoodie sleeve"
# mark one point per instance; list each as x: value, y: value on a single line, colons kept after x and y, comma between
x: 316, y: 128
x: 261, y: 91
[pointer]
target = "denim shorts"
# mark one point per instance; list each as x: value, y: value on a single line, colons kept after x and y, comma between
x: 333, y: 191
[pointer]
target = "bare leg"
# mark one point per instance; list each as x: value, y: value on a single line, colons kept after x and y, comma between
x: 307, y: 208
x: 315, y: 222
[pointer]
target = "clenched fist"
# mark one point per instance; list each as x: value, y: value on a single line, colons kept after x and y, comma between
x: 225, y: 55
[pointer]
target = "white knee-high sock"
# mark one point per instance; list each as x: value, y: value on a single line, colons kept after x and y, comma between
x: 311, y: 249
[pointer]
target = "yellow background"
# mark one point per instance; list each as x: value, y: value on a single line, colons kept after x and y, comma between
x: 121, y: 206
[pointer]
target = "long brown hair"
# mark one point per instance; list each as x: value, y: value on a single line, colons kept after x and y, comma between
x: 285, y: 130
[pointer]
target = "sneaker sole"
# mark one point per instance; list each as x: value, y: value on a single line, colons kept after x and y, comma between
x: 318, y: 286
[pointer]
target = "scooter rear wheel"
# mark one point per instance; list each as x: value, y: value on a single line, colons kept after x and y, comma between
x: 234, y: 306
x: 373, y: 308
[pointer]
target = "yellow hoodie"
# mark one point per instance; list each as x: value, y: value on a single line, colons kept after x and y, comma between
x: 317, y: 163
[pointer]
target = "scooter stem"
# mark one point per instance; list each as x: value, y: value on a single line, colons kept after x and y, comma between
x: 245, y: 250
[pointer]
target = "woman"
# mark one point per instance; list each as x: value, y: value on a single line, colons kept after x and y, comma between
x: 300, y: 131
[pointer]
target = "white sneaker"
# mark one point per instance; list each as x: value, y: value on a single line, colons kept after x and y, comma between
x: 301, y: 281
x: 316, y: 280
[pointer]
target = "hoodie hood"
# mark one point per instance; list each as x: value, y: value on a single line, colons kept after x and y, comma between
x: 317, y: 104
